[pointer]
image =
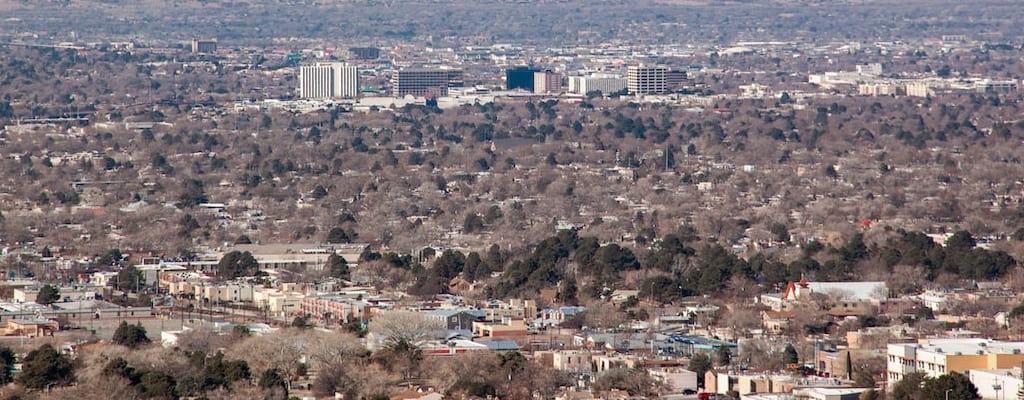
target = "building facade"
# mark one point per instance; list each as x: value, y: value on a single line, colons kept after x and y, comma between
x: 935, y: 357
x: 547, y: 82
x: 606, y: 84
x: 204, y: 45
x: 519, y: 78
x: 643, y: 79
x: 425, y: 82
x: 328, y: 81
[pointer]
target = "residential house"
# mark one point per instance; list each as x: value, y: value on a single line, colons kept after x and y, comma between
x: 555, y: 316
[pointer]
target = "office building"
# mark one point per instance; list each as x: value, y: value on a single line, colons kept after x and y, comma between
x: 606, y: 84
x: 936, y: 357
x: 547, y: 82
x: 328, y: 81
x: 642, y: 79
x: 365, y: 53
x: 204, y: 45
x: 425, y: 82
x: 675, y: 79
x: 519, y: 78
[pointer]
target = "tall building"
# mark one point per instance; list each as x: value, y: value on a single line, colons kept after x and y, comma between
x: 675, y: 79
x: 606, y: 84
x: 425, y: 82
x: 328, y: 80
x: 365, y: 53
x: 547, y: 82
x: 519, y: 78
x: 642, y: 79
x: 204, y: 45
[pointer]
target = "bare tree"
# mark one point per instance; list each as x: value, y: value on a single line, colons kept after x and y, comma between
x: 404, y: 328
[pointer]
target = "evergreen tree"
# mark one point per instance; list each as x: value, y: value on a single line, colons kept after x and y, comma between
x: 45, y: 367
x: 338, y: 266
x: 789, y: 355
x: 700, y: 364
x: 48, y: 294
x: 131, y: 336
x: 724, y: 356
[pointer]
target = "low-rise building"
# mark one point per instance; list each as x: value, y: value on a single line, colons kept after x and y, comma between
x: 936, y: 357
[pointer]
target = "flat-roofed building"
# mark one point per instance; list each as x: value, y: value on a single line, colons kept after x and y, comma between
x: 935, y: 357
x: 425, y: 82
x: 328, y: 80
x: 645, y: 79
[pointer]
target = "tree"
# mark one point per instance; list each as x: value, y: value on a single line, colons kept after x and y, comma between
x: 960, y: 242
x: 273, y: 385
x: 128, y: 278
x: 789, y: 355
x: 638, y: 382
x: 243, y: 239
x: 909, y: 387
x: 723, y: 356
x: 871, y: 394
x: 338, y: 266
x: 340, y: 235
x: 48, y: 294
x: 472, y: 223
x: 112, y: 258
x: 400, y: 334
x: 402, y: 328
x: 131, y: 336
x: 235, y: 264
x: 7, y: 358
x: 958, y: 385
x: 700, y: 364
x: 45, y: 367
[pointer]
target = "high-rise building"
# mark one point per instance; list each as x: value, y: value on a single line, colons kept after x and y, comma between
x: 547, y: 82
x: 204, y: 45
x: 675, y: 79
x: 328, y: 80
x: 365, y: 53
x: 606, y: 84
x: 643, y: 79
x: 519, y: 78
x: 425, y: 82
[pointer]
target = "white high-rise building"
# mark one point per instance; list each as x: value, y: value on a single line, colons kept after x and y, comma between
x: 644, y: 79
x: 606, y: 84
x: 328, y: 80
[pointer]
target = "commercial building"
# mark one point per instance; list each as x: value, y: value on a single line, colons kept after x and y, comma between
x: 605, y: 84
x: 996, y: 384
x: 365, y: 53
x: 643, y: 79
x: 204, y: 45
x: 547, y: 82
x: 328, y: 80
x: 936, y: 357
x: 425, y: 82
x: 519, y: 78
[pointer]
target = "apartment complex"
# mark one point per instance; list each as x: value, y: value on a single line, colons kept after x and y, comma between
x: 425, y: 82
x: 644, y: 79
x: 328, y: 81
x: 936, y: 357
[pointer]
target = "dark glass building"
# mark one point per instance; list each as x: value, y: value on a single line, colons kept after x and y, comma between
x: 519, y: 78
